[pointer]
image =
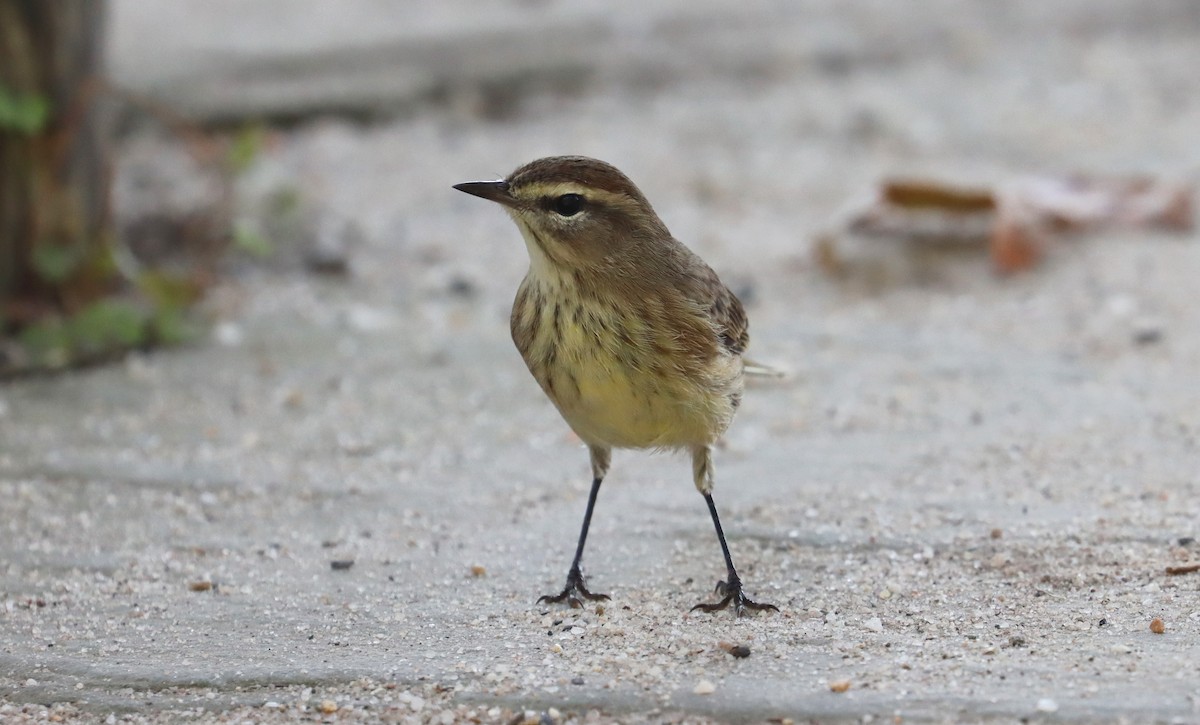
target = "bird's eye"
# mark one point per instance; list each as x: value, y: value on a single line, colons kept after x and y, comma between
x: 568, y: 204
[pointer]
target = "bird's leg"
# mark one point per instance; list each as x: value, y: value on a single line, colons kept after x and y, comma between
x: 731, y: 589
x: 575, y: 587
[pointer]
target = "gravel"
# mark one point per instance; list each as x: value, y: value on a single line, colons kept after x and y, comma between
x: 964, y: 498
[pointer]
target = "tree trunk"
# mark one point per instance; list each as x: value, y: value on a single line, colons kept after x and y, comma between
x: 55, y: 223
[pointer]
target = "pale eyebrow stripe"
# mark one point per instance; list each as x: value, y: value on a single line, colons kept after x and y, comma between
x: 590, y: 193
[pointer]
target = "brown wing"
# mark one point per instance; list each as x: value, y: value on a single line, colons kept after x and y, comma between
x: 732, y: 325
x: 704, y: 289
x: 724, y: 308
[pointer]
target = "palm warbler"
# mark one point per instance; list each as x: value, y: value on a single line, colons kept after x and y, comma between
x: 630, y: 334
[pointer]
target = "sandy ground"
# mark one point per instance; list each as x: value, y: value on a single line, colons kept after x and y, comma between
x: 963, y: 500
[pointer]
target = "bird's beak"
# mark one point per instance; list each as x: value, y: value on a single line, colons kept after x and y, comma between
x: 496, y: 191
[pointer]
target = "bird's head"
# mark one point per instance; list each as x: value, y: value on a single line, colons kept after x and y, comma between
x: 576, y: 213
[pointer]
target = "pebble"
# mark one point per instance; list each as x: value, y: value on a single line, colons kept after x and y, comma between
x: 329, y: 250
x: 839, y: 686
x: 1147, y: 331
x: 874, y: 624
x: 737, y: 650
x: 462, y: 287
x: 704, y: 687
x: 1047, y: 705
x: 327, y: 707
x: 1157, y: 626
x: 364, y: 318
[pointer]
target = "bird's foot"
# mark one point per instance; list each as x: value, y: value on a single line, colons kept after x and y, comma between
x: 573, y: 593
x: 731, y: 593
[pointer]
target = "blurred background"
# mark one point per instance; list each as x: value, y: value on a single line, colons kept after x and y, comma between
x: 324, y: 137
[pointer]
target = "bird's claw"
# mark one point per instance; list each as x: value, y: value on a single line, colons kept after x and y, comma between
x: 731, y: 593
x: 572, y: 592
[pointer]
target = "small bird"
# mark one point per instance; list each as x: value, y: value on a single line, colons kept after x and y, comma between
x: 630, y: 334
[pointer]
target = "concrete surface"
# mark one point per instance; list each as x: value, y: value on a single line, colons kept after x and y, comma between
x: 964, y: 500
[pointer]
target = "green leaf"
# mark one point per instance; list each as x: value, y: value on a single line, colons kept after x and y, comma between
x: 170, y: 325
x: 54, y: 263
x: 246, y: 147
x: 47, y: 343
x: 106, y: 326
x: 27, y: 114
x: 251, y: 241
x: 166, y: 288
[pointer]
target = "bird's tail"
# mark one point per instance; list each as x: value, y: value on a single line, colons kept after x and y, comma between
x: 755, y: 369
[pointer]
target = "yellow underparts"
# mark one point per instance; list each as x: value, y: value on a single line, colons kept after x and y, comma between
x: 616, y: 394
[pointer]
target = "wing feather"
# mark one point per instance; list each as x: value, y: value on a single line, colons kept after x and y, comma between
x: 730, y: 320
x: 728, y: 317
